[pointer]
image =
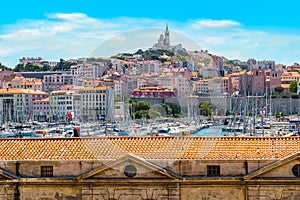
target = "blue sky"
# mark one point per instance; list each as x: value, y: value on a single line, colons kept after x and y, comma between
x: 53, y: 29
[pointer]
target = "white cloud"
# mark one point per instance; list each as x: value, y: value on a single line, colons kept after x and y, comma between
x: 209, y: 23
x: 71, y: 35
x: 68, y: 16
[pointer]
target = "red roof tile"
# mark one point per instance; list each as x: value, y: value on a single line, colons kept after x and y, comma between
x: 149, y: 148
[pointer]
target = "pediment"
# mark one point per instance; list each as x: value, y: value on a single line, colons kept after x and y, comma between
x: 118, y: 169
x: 5, y: 175
x: 278, y: 169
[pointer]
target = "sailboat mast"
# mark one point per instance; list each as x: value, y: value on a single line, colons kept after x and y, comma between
x: 245, y: 103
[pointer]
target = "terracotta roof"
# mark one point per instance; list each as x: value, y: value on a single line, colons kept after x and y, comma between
x: 21, y: 91
x: 149, y: 148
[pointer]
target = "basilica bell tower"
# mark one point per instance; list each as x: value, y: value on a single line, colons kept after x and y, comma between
x: 167, y: 36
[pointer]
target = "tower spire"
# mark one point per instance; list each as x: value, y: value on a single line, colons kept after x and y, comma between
x: 167, y: 36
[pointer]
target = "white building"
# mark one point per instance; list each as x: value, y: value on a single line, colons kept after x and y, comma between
x: 61, y: 103
x: 93, y: 103
x: 86, y: 71
x: 164, y: 42
x: 183, y: 86
x: 16, y: 105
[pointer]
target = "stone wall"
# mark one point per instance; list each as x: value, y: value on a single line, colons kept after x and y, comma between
x: 223, y: 103
x: 182, y: 179
x: 212, y: 192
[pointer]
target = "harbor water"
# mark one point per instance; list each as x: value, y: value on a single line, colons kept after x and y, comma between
x: 210, y: 131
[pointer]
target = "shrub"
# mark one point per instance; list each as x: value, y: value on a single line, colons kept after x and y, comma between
x: 294, y: 96
x: 285, y: 96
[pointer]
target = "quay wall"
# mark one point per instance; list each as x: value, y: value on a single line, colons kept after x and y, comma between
x: 221, y: 104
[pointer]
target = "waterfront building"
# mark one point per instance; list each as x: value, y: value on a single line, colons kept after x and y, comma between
x: 16, y: 104
x: 94, y: 103
x: 61, y: 103
x: 41, y: 110
x: 120, y: 168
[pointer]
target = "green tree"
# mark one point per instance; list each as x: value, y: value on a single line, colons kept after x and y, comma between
x: 167, y: 108
x: 175, y: 109
x: 63, y: 65
x: 3, y: 67
x: 142, y: 114
x: 46, y: 67
x: 205, y: 109
x: 154, y: 113
x: 143, y: 105
x: 293, y: 86
x: 29, y: 67
x: 19, y: 68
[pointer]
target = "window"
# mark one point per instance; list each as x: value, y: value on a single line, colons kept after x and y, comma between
x: 213, y: 170
x: 296, y: 170
x: 130, y: 171
x: 46, y: 171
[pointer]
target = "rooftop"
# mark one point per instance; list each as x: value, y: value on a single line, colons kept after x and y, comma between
x: 149, y: 148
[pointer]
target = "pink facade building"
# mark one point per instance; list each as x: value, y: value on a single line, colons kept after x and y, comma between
x: 41, y: 109
x: 273, y: 79
x: 255, y: 82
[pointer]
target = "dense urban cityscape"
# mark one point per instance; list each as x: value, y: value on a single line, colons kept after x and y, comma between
x: 171, y: 82
x: 162, y: 120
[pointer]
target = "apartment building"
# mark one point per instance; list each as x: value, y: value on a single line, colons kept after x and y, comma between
x: 41, y: 110
x: 183, y: 86
x: 200, y: 87
x: 93, y: 104
x: 288, y: 77
x: 55, y: 81
x: 16, y: 104
x: 61, y: 103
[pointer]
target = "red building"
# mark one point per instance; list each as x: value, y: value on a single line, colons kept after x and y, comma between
x: 155, y: 92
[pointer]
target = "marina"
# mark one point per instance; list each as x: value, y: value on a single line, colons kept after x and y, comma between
x: 176, y: 128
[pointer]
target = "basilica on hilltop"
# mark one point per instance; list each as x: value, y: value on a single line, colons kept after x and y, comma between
x: 164, y: 42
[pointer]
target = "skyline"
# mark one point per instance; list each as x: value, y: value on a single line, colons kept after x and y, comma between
x: 72, y: 29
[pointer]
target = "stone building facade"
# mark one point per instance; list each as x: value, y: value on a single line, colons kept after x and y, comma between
x: 148, y: 168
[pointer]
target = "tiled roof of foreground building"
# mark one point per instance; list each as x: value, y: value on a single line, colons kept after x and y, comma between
x: 149, y: 148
